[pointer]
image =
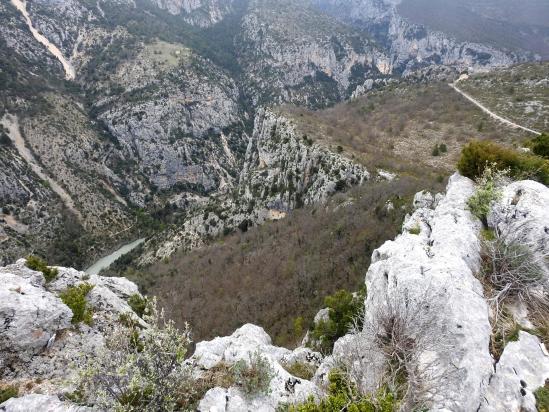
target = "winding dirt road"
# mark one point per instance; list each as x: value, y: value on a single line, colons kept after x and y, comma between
x: 488, y: 111
x: 70, y: 73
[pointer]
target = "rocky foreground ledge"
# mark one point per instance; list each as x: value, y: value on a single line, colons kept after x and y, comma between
x: 428, y: 278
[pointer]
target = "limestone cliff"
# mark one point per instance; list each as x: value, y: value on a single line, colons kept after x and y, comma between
x: 282, y: 170
x: 426, y: 276
x: 410, y: 46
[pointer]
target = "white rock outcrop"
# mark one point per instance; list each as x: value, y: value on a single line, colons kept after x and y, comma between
x: 37, y: 339
x: 244, y: 342
x: 43, y: 403
x: 522, y: 368
x: 427, y: 275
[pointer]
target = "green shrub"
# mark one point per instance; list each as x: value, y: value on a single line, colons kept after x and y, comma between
x: 487, y: 234
x: 139, y: 304
x: 540, y: 145
x: 298, y: 327
x: 301, y: 370
x: 35, y: 263
x: 487, y: 192
x: 149, y: 376
x: 75, y: 298
x: 477, y: 155
x: 343, y: 396
x: 416, y: 230
x: 542, y: 397
x: 344, y: 309
x: 8, y: 392
x: 442, y: 148
x: 436, y: 151
x: 253, y: 377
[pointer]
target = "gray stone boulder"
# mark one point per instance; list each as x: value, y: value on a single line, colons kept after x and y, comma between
x: 522, y: 368
x: 42, y: 403
x: 38, y: 341
x: 523, y: 208
x: 245, y: 341
x: 522, y: 215
x: 29, y: 317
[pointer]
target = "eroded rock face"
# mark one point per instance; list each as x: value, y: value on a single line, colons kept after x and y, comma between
x: 180, y: 127
x: 38, y: 340
x: 522, y: 368
x: 409, y: 46
x: 36, y: 402
x: 203, y: 13
x: 243, y: 343
x: 427, y: 277
x: 281, y: 171
x: 292, y: 53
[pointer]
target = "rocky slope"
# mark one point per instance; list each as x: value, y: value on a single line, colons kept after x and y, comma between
x: 164, y: 100
x: 38, y: 340
x: 291, y: 53
x: 281, y: 170
x: 41, y: 349
x: 410, y: 46
x: 201, y: 13
x: 425, y: 278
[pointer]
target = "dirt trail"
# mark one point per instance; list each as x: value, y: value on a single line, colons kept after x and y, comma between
x: 70, y: 73
x: 488, y: 111
x: 11, y: 123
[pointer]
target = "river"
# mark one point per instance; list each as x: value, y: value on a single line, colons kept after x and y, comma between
x: 108, y: 260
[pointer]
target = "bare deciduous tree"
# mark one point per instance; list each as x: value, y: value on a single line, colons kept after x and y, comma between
x: 514, y: 271
x: 397, y: 348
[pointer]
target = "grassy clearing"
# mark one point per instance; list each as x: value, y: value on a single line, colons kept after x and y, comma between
x: 165, y: 54
x: 396, y: 128
x: 519, y: 93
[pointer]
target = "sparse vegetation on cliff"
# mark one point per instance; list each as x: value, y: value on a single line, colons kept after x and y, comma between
x: 542, y: 397
x: 488, y: 191
x: 7, y: 392
x: 477, y: 155
x: 343, y: 395
x: 140, y: 369
x: 35, y: 263
x: 344, y: 310
x: 75, y: 298
x: 253, y: 376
